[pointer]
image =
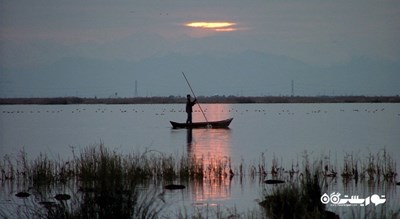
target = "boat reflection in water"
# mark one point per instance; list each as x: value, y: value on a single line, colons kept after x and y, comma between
x: 213, y: 148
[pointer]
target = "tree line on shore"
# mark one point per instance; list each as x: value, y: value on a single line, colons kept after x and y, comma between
x: 202, y: 99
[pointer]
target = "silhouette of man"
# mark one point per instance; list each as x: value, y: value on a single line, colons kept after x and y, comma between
x: 189, y: 110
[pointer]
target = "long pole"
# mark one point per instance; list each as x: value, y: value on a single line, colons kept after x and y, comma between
x: 194, y: 95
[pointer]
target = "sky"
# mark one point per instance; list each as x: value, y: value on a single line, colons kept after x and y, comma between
x: 225, y: 47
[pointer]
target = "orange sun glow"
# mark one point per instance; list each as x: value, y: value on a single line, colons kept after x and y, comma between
x: 216, y: 26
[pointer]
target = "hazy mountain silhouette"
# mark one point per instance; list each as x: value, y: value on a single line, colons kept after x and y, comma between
x: 247, y: 73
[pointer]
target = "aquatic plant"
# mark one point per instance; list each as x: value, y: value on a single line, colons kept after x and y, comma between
x: 298, y: 198
x: 7, y: 169
x: 100, y: 183
x: 295, y: 200
x: 349, y: 169
x: 191, y: 167
x: 380, y: 166
x: 43, y: 171
x: 389, y: 167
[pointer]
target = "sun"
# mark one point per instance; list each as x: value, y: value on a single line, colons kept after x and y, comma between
x: 221, y: 26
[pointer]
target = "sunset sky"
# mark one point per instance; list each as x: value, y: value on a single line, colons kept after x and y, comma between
x: 225, y: 47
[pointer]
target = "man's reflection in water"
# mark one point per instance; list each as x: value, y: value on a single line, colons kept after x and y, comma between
x: 189, y: 139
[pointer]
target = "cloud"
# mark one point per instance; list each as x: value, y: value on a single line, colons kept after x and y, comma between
x: 313, y: 31
x: 319, y: 33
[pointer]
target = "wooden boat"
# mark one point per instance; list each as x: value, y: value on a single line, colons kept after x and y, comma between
x: 211, y: 124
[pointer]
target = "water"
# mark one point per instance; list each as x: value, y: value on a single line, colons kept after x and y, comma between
x: 277, y: 131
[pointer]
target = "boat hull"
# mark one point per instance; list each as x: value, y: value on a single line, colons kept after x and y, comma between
x: 211, y: 124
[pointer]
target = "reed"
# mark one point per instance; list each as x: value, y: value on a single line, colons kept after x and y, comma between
x: 350, y: 169
x: 97, y: 162
x: 300, y: 200
x: 107, y: 183
x: 7, y: 169
x: 191, y: 168
x: 389, y: 167
x: 379, y: 166
x: 43, y: 171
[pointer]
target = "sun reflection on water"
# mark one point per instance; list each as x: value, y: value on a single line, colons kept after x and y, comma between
x: 213, y: 148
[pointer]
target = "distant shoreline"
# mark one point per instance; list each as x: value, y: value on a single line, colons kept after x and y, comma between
x: 202, y: 99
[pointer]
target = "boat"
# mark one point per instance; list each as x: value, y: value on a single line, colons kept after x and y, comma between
x: 210, y: 124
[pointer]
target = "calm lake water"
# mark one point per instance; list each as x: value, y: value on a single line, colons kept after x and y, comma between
x: 275, y: 131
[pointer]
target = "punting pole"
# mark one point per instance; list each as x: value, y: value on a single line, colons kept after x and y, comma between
x: 194, y: 95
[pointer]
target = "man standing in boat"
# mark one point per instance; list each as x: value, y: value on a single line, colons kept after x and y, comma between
x: 189, y: 110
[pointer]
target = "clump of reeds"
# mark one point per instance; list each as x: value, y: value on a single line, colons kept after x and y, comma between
x: 217, y: 168
x: 97, y: 162
x: 108, y: 184
x: 350, y: 168
x: 7, y: 169
x: 43, y: 171
x: 376, y: 167
x: 191, y: 167
x: 380, y: 166
x: 300, y: 200
x: 108, y: 181
x: 389, y: 167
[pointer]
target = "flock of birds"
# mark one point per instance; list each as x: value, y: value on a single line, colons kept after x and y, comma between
x: 99, y: 110
x: 164, y: 111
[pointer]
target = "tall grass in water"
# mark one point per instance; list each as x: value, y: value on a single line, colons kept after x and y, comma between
x: 376, y: 167
x: 380, y: 166
x: 94, y: 163
x: 296, y: 200
x: 107, y: 181
x: 103, y: 184
x: 107, y: 184
x: 299, y: 199
x: 111, y: 182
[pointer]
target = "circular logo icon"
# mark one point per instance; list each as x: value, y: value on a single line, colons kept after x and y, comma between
x: 335, y: 198
x: 325, y: 198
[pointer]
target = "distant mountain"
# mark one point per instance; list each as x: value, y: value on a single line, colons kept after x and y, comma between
x: 247, y: 73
